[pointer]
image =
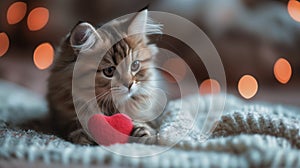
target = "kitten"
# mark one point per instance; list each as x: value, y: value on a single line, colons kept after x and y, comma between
x: 126, y: 70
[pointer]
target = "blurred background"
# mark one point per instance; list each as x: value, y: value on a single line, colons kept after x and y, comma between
x: 257, y: 40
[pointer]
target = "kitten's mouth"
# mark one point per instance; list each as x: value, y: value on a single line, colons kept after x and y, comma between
x: 124, y: 96
x: 129, y: 96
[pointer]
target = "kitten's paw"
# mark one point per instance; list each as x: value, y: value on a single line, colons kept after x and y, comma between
x: 80, y: 137
x: 143, y: 133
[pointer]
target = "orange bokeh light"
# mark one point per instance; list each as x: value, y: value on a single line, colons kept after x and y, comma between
x: 294, y: 9
x: 247, y: 86
x: 43, y: 55
x: 37, y: 18
x: 209, y: 86
x: 177, y: 69
x: 16, y: 12
x: 282, y: 70
x: 4, y: 43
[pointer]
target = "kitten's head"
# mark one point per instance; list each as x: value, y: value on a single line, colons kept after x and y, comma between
x: 126, y: 79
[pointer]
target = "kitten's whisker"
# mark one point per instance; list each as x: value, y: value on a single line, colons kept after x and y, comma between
x: 115, y: 88
x: 102, y: 94
x: 162, y: 80
x: 116, y: 91
x: 165, y: 90
x: 147, y: 91
x: 97, y: 97
x: 155, y: 87
x: 106, y: 105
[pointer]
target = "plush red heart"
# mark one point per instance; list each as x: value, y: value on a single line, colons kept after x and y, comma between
x: 108, y: 130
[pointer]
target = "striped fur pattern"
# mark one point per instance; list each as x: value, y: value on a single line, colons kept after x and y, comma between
x: 128, y: 89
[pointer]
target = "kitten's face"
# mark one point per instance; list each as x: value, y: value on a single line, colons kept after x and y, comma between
x: 126, y: 80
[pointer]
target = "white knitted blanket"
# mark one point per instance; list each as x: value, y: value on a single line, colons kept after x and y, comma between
x: 247, y: 135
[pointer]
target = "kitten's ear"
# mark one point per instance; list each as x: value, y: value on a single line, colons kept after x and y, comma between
x: 142, y: 24
x: 83, y: 37
x: 138, y: 23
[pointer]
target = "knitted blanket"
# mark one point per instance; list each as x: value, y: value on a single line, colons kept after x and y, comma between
x: 247, y: 135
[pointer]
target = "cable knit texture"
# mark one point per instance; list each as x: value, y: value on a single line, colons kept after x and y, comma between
x: 247, y: 135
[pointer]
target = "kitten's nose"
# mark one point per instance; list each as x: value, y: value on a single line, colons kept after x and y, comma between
x: 128, y: 84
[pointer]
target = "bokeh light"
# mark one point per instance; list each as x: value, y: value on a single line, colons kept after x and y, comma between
x: 4, y: 43
x: 247, y: 86
x: 282, y: 70
x: 176, y: 68
x: 294, y: 9
x: 37, y: 18
x: 209, y: 86
x: 16, y: 12
x: 43, y: 55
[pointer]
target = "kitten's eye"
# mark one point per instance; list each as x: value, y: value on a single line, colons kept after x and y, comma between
x: 109, y: 72
x: 135, y: 65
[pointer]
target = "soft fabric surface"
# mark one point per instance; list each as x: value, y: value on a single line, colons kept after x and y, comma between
x: 248, y: 135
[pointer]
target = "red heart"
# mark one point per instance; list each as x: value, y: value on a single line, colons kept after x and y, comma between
x: 108, y: 130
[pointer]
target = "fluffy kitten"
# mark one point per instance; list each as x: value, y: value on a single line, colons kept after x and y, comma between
x: 125, y: 78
